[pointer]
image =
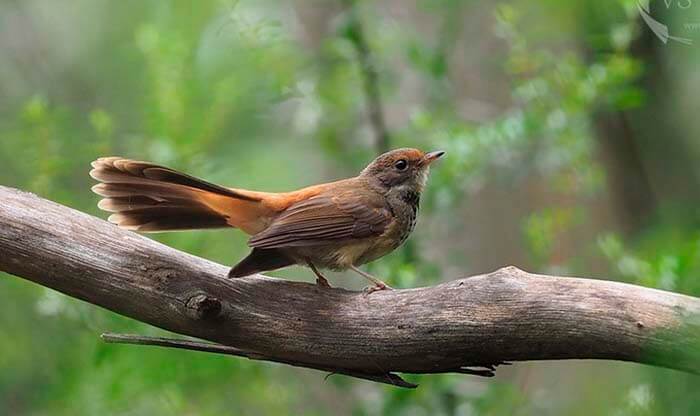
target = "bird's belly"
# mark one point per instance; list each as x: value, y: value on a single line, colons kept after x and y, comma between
x: 332, y: 256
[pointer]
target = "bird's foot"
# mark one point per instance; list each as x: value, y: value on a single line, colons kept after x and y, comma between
x: 379, y: 285
x: 322, y: 282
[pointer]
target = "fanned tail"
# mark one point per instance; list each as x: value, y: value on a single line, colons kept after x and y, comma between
x: 149, y: 198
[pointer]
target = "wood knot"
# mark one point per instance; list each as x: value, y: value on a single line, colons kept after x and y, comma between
x: 640, y: 324
x: 202, y: 306
x: 161, y: 275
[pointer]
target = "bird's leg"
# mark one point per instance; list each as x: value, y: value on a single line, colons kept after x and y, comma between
x: 378, y: 284
x: 320, y: 279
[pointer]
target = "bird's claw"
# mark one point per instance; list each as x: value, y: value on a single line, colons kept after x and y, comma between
x: 322, y: 282
x: 379, y: 286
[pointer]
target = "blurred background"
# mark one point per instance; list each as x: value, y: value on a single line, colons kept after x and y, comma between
x: 572, y: 137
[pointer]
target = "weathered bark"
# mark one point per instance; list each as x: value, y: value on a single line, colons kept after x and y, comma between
x: 507, y: 315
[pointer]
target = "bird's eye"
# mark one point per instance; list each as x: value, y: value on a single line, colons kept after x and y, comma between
x: 401, y: 164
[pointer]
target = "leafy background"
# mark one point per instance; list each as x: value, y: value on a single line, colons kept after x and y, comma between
x: 571, y: 133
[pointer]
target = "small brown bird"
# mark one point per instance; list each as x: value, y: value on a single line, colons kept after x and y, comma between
x: 339, y: 225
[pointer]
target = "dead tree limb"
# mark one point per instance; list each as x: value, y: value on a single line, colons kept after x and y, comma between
x: 508, y: 315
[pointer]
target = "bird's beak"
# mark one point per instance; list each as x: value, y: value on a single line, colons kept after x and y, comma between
x: 431, y: 157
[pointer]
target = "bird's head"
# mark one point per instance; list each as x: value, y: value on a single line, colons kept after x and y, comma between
x: 402, y: 168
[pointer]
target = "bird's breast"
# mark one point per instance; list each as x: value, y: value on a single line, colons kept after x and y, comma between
x: 405, y: 210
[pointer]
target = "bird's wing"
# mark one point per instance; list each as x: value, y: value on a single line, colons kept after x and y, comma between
x: 322, y: 219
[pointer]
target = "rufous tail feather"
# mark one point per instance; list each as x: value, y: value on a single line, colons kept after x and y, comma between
x: 149, y: 198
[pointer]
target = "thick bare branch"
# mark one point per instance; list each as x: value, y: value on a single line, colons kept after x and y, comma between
x: 507, y: 315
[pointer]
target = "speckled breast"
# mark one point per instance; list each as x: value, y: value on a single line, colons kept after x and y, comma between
x: 412, y: 200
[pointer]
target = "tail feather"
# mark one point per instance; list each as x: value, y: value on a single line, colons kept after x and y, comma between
x: 168, y: 218
x: 260, y: 260
x: 151, y: 198
x: 118, y: 170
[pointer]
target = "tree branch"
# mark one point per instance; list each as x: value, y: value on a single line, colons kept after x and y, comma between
x: 186, y: 344
x: 508, y: 315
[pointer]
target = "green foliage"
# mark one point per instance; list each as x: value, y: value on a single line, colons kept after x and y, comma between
x: 239, y: 93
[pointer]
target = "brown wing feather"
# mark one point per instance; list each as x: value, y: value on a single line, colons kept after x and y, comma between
x: 321, y: 219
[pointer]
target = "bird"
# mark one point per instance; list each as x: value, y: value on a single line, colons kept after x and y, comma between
x: 338, y: 225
